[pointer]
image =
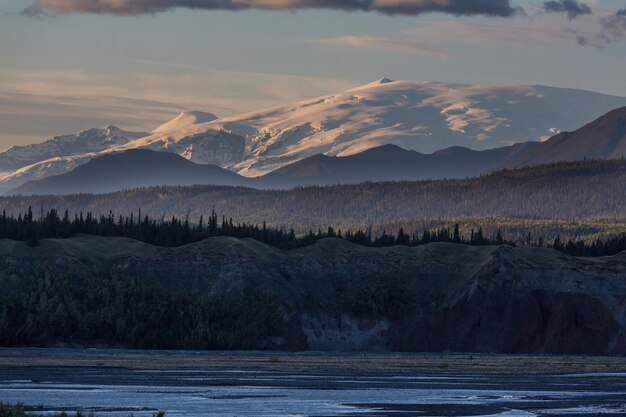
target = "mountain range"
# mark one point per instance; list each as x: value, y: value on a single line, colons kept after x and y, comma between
x: 604, y: 138
x: 420, y: 116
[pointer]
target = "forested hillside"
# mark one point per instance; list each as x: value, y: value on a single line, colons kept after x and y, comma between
x: 174, y: 232
x: 229, y: 293
x: 556, y: 191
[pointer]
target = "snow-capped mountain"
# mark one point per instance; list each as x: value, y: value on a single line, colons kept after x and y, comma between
x: 420, y: 116
x: 192, y: 136
x: 43, y: 169
x: 208, y: 146
x: 415, y: 115
x: 91, y: 140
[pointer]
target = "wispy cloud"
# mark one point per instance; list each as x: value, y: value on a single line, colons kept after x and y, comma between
x: 37, y: 105
x: 523, y: 33
x: 501, y: 8
x: 373, y: 42
x: 614, y: 26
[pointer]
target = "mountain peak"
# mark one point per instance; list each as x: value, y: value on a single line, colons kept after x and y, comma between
x: 384, y: 80
x: 198, y: 116
x: 186, y: 119
x: 111, y: 130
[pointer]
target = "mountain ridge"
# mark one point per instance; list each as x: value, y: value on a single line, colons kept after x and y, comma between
x: 117, y: 171
x: 416, y: 115
x: 602, y: 138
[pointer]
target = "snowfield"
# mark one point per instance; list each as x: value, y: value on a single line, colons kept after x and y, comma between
x: 416, y: 115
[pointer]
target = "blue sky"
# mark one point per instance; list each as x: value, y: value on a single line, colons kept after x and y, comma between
x: 67, y: 72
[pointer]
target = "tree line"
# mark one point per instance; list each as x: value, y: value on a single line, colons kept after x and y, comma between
x: 567, y: 190
x: 176, y: 232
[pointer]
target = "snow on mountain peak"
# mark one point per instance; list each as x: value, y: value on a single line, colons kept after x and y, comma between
x: 185, y: 120
x: 416, y: 115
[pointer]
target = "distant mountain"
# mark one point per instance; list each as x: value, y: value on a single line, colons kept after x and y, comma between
x: 139, y: 168
x: 131, y: 169
x: 87, y: 141
x: 415, y: 115
x: 392, y: 163
x: 20, y: 164
x: 604, y: 138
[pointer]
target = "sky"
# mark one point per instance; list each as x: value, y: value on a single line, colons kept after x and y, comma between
x: 68, y: 65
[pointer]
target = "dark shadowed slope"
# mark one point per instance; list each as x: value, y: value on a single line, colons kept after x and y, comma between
x: 131, y: 169
x: 604, y: 138
x: 391, y: 163
x: 140, y: 168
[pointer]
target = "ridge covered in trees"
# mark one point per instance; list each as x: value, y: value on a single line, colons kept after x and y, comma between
x: 177, y: 232
x: 561, y: 191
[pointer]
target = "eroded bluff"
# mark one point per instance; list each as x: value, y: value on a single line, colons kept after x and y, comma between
x: 226, y: 293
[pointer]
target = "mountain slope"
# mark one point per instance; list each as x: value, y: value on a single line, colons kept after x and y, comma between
x: 332, y: 295
x: 131, y: 169
x: 87, y: 141
x: 420, y: 116
x: 415, y: 115
x: 184, y: 120
x: 391, y: 163
x: 604, y: 138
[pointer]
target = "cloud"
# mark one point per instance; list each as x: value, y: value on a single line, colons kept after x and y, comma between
x: 532, y: 32
x: 614, y: 26
x: 500, y: 8
x: 571, y: 7
x: 372, y: 42
x: 40, y: 104
x: 609, y: 28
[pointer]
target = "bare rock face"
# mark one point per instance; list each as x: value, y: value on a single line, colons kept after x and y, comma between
x: 216, y: 148
x: 335, y: 295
